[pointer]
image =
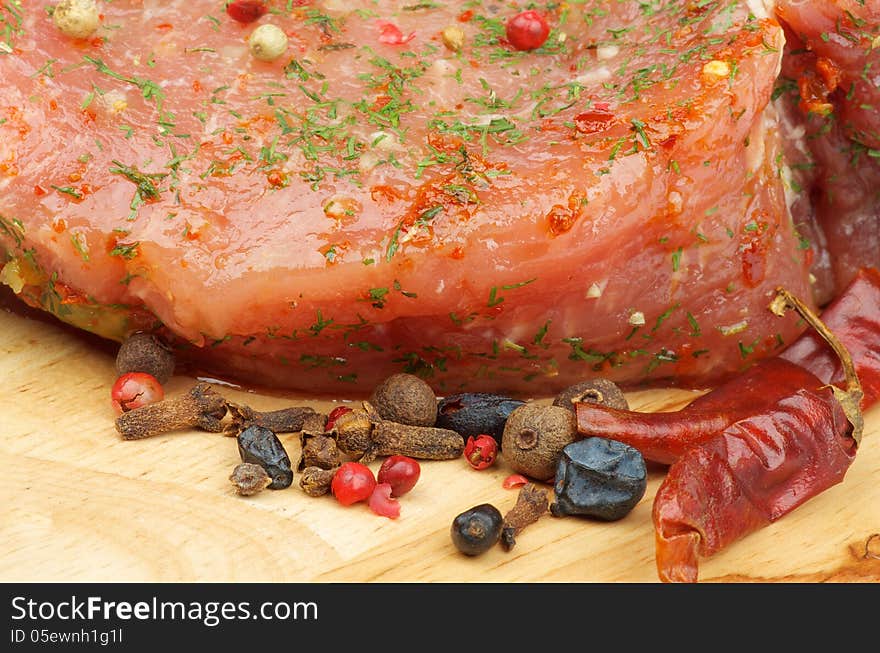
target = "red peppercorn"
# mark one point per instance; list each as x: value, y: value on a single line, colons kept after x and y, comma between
x: 246, y: 11
x: 527, y: 30
x: 480, y: 452
x: 401, y: 473
x: 514, y: 480
x: 381, y: 502
x: 352, y: 482
x: 134, y: 390
x: 334, y: 415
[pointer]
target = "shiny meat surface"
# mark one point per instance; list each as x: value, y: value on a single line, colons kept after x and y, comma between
x: 384, y: 198
x: 829, y: 93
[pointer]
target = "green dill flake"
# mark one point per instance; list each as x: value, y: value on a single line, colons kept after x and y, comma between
x: 641, y: 136
x: 695, y: 326
x: 320, y: 323
x: 126, y: 250
x: 68, y: 190
x: 676, y: 259
x: 539, y: 336
x: 377, y: 296
x: 665, y: 316
x: 80, y: 246
x: 145, y: 187
x: 12, y: 228
x: 393, y: 244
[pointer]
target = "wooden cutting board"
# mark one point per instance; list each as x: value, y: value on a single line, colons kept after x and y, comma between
x: 79, y: 504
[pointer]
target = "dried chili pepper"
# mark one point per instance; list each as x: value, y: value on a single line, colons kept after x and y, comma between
x: 759, y: 468
x: 854, y: 318
x: 665, y: 436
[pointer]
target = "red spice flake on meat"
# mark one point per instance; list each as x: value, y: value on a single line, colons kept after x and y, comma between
x: 560, y: 220
x: 276, y: 178
x: 594, y: 120
x: 390, y: 34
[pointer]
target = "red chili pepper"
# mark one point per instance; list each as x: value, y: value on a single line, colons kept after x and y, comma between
x: 758, y: 468
x: 854, y: 317
x: 665, y: 437
x: 480, y: 452
x: 749, y: 475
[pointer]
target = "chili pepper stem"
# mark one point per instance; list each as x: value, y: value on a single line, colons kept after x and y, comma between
x: 851, y: 398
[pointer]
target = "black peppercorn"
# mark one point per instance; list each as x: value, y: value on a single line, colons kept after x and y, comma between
x: 259, y: 445
x: 600, y: 478
x: 475, y: 531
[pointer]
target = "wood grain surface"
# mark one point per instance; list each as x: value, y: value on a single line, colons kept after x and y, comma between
x: 80, y: 504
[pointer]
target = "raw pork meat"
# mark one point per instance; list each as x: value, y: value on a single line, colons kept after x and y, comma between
x: 611, y: 203
x: 829, y: 93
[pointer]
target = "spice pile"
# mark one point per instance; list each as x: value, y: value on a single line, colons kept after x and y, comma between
x: 741, y: 456
x: 403, y: 421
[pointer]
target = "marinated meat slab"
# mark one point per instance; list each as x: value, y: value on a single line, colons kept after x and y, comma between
x: 829, y: 94
x: 404, y: 190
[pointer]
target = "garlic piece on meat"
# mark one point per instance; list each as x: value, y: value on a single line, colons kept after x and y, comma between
x: 453, y: 37
x: 716, y: 69
x: 76, y: 18
x: 267, y: 42
x: 637, y: 318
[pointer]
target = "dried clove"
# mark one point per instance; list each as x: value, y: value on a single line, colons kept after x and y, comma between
x: 249, y: 479
x: 314, y: 424
x: 200, y: 407
x: 353, y: 432
x: 364, y: 433
x: 285, y: 420
x: 259, y: 445
x: 319, y: 451
x: 531, y: 503
x: 316, y: 481
x: 423, y: 442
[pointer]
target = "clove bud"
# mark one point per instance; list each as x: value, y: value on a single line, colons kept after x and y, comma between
x: 249, y: 479
x: 285, y: 420
x: 319, y: 451
x: 424, y: 442
x: 353, y: 432
x: 201, y: 407
x: 531, y: 503
x: 364, y: 433
x: 316, y: 481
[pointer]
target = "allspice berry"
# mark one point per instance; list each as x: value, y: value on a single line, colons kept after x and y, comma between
x: 144, y: 352
x: 534, y: 437
x: 405, y: 399
x: 596, y: 391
